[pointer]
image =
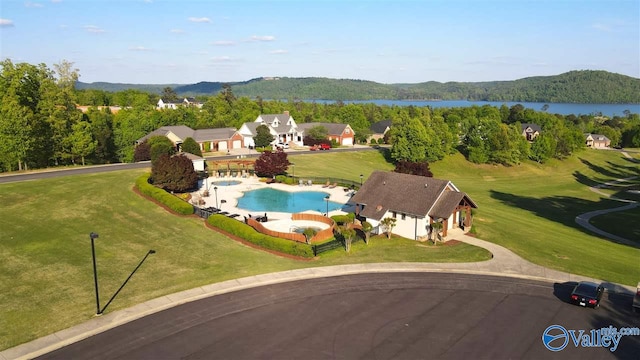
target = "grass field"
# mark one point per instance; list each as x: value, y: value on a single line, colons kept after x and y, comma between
x: 46, y: 276
x: 46, y: 279
x: 531, y: 210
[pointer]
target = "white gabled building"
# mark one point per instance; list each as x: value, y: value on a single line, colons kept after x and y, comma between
x: 282, y: 126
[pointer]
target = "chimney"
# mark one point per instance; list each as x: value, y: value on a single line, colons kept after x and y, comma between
x: 286, y: 112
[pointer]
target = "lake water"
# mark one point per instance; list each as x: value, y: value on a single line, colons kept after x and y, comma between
x: 554, y: 108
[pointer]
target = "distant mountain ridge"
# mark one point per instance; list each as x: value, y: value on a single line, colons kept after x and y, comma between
x: 580, y: 86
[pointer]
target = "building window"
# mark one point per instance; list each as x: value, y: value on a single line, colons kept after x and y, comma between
x: 394, y: 214
x: 404, y: 216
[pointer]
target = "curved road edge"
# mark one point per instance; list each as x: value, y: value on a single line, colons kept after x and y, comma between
x: 111, y: 320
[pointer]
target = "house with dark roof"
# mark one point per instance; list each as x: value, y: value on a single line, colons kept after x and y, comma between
x: 282, y: 126
x: 219, y: 139
x: 416, y: 202
x: 342, y: 134
x: 597, y: 141
x: 530, y: 131
x: 379, y: 129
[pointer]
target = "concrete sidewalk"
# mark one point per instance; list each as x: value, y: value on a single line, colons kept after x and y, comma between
x: 503, y: 263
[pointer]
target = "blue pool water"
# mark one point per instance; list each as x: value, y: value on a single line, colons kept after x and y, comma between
x: 283, y: 201
x: 226, y: 182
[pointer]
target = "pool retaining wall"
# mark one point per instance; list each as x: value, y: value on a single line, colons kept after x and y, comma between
x: 320, y: 236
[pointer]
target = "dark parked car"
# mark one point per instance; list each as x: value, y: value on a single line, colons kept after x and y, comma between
x: 587, y: 294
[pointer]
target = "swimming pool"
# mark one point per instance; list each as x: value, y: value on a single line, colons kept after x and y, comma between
x: 268, y: 199
x: 226, y: 182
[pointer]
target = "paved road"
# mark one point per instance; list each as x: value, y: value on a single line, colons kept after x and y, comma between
x: 369, y: 316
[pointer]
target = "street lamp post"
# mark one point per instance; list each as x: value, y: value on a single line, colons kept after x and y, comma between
x: 99, y: 311
x: 293, y: 169
x: 215, y: 189
x: 361, y: 180
x: 326, y: 198
x: 93, y: 236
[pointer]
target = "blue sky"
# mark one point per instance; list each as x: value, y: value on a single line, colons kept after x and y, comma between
x: 183, y: 42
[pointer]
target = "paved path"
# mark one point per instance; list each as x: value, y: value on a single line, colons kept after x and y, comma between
x: 583, y: 219
x: 503, y: 263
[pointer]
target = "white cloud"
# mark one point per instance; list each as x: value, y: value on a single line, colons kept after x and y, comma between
x: 6, y: 23
x: 222, y: 59
x: 601, y: 27
x: 200, y: 19
x: 279, y: 51
x: 30, y: 4
x: 223, y: 43
x: 139, y: 48
x: 263, y: 38
x: 93, y: 29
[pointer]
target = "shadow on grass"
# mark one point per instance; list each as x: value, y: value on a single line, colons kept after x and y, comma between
x: 560, y: 209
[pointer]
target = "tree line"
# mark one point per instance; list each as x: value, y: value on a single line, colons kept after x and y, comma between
x: 584, y: 86
x: 40, y: 125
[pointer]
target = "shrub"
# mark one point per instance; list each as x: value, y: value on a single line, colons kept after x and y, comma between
x: 191, y: 146
x: 142, y: 152
x: 172, y: 202
x: 174, y: 173
x: 249, y: 234
x: 272, y: 163
x: 344, y: 219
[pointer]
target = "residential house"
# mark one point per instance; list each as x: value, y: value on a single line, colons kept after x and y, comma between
x: 282, y: 126
x: 220, y: 139
x: 416, y: 202
x: 597, y: 141
x: 199, y: 163
x: 530, y: 131
x: 188, y: 101
x: 379, y: 129
x: 342, y: 134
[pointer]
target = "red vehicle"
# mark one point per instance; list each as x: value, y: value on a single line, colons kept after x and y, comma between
x: 320, y: 147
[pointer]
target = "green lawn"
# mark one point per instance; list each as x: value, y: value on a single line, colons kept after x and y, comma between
x: 46, y: 279
x: 531, y: 210
x: 621, y: 223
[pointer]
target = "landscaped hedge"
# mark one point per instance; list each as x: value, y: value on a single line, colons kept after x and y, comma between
x: 172, y: 202
x: 344, y: 219
x: 249, y: 234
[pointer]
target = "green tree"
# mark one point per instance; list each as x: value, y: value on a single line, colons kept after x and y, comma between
x: 24, y: 131
x: 388, y: 224
x: 318, y: 132
x: 169, y: 95
x: 263, y: 137
x: 160, y: 145
x: 366, y: 229
x: 542, y: 148
x: 82, y: 142
x: 191, y: 146
x: 409, y: 139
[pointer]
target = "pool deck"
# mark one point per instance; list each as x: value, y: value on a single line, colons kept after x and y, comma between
x: 280, y: 220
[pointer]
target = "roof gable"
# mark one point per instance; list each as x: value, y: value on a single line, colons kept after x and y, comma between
x: 332, y: 128
x: 409, y: 194
x: 381, y: 126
